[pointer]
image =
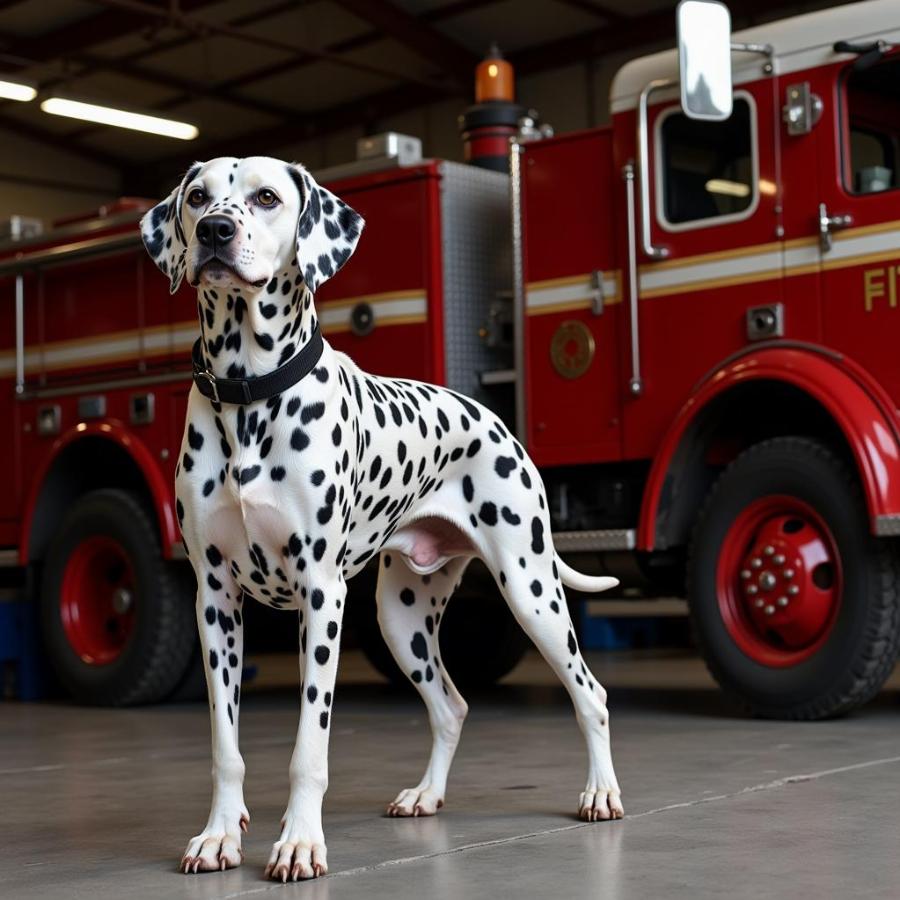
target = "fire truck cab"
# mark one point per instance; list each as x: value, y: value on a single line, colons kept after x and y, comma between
x: 708, y: 353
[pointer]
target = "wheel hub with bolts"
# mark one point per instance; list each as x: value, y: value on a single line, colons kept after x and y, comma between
x: 779, y: 580
x: 97, y: 600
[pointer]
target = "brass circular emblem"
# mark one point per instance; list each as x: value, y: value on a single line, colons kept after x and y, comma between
x: 572, y: 349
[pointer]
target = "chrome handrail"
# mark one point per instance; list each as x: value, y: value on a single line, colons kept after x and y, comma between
x: 20, y: 334
x: 518, y: 273
x: 635, y: 383
x: 643, y: 166
x: 63, y: 253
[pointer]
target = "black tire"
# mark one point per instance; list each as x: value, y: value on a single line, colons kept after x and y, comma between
x: 858, y: 654
x: 192, y: 686
x: 162, y: 635
x: 479, y: 637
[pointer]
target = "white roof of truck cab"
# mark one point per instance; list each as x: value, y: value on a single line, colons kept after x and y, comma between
x: 800, y: 43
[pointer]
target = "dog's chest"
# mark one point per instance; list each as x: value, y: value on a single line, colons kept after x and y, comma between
x: 261, y: 485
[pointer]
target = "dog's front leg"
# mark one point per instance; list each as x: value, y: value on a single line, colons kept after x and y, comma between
x: 300, y: 851
x: 218, y: 846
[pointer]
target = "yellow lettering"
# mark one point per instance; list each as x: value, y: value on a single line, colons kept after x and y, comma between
x: 873, y: 280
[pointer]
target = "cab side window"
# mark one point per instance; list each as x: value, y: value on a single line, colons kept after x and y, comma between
x: 872, y: 116
x: 707, y: 169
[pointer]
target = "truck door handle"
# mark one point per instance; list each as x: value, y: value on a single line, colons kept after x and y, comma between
x: 828, y: 224
x: 597, y: 296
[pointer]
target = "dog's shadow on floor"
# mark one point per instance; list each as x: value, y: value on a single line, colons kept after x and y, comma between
x: 384, y: 696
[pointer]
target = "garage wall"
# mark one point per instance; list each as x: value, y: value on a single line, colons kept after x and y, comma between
x: 47, y: 183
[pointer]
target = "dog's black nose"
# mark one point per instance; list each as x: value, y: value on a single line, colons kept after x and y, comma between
x: 215, y: 231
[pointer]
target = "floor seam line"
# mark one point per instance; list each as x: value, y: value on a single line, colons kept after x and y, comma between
x: 463, y: 848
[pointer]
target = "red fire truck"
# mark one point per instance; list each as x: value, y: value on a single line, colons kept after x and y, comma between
x: 688, y: 316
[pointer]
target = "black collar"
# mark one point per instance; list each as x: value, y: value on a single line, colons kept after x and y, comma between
x: 248, y: 390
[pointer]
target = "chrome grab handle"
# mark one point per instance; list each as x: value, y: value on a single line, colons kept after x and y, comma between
x: 597, y: 295
x: 635, y: 383
x: 828, y: 224
x: 20, y: 334
x: 643, y: 143
x: 519, y: 298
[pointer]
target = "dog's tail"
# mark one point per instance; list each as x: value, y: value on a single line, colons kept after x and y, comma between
x: 590, y: 584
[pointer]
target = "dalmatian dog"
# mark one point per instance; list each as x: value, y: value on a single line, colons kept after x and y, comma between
x: 288, y: 489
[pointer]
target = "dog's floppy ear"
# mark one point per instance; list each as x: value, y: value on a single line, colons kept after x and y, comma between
x: 163, y: 233
x: 327, y: 229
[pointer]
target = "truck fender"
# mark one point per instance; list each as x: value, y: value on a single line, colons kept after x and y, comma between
x: 118, y: 434
x: 859, y: 407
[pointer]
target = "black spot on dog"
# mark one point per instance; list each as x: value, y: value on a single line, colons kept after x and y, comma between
x: 509, y: 516
x: 195, y: 439
x: 419, y: 646
x: 488, y: 513
x: 537, y: 535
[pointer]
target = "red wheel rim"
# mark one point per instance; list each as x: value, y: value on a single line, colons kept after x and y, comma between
x: 97, y: 600
x: 779, y: 581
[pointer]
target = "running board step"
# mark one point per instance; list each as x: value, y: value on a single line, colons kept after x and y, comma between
x: 593, y: 540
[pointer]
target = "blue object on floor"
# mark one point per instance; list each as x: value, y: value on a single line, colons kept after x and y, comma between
x: 20, y: 650
x: 633, y: 632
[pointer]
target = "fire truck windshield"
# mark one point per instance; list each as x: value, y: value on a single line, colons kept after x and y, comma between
x: 872, y: 141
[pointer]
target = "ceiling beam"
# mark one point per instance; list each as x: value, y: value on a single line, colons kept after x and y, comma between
x: 87, y: 32
x: 439, y: 14
x: 596, y: 9
x: 210, y: 26
x: 415, y: 35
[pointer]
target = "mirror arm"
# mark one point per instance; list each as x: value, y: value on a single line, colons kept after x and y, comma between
x: 762, y: 49
x: 643, y: 142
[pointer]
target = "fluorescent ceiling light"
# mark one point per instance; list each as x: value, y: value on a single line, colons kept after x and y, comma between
x: 107, y: 115
x: 730, y: 188
x: 15, y: 90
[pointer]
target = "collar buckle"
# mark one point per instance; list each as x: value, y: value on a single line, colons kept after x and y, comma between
x: 210, y: 379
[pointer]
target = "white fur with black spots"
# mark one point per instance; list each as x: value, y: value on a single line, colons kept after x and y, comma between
x: 282, y: 500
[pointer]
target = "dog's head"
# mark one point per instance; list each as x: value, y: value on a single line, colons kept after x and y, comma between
x: 234, y: 223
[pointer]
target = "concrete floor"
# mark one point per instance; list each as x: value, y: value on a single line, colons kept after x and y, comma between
x: 99, y: 804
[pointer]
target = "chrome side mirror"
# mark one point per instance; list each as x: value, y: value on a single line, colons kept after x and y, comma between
x: 704, y: 59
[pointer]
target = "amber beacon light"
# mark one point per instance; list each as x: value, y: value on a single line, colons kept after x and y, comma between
x: 488, y: 126
x: 494, y: 78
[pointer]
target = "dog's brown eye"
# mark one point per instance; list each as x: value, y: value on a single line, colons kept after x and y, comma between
x: 197, y: 197
x: 265, y: 197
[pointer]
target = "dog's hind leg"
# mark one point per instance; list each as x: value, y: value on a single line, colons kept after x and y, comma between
x: 532, y: 586
x: 410, y: 609
x: 218, y: 846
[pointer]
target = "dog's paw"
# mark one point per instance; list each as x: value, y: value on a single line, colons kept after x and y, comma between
x: 415, y: 802
x: 216, y: 848
x: 299, y: 853
x: 597, y: 804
